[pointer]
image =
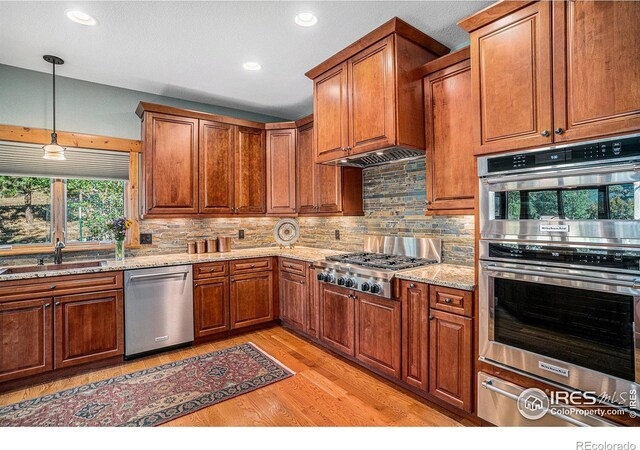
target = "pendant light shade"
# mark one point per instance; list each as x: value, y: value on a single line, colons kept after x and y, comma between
x: 53, y: 151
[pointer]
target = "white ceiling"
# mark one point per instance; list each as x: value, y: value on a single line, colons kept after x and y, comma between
x: 195, y: 50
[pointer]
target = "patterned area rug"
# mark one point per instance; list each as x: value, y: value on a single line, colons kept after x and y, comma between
x: 152, y: 396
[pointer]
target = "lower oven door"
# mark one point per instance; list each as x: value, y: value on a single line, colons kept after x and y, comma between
x: 577, y: 328
x: 498, y: 404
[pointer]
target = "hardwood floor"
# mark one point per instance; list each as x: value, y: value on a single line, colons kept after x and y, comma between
x: 326, y: 390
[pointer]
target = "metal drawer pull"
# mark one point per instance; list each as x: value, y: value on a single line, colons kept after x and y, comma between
x: 57, y: 303
x: 489, y: 386
x: 447, y: 300
x: 430, y: 317
x: 412, y: 285
x: 46, y: 305
x: 159, y: 275
x: 53, y: 286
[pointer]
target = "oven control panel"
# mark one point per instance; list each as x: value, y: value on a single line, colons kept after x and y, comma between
x: 354, y: 281
x: 605, y: 150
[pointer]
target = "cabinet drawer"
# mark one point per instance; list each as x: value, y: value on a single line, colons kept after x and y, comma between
x: 68, y: 284
x: 451, y: 300
x: 293, y: 266
x: 210, y: 270
x: 251, y: 265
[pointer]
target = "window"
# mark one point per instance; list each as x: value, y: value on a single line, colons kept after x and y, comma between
x: 41, y: 210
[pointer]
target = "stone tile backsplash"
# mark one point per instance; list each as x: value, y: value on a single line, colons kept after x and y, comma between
x: 394, y: 197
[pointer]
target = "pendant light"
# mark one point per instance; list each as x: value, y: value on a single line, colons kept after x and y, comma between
x: 53, y: 150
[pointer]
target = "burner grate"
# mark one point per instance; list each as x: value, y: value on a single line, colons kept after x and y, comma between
x: 381, y: 260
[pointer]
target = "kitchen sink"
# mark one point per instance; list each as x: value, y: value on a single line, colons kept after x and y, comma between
x: 50, y: 267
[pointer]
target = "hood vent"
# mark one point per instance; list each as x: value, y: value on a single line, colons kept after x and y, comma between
x: 379, y: 157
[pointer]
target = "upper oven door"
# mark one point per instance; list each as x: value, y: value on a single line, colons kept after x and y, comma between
x: 587, y: 204
x: 578, y: 328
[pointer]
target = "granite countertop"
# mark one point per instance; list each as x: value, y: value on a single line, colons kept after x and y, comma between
x: 447, y: 275
x: 301, y: 253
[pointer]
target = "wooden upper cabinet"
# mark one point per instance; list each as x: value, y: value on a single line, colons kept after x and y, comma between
x: 170, y: 164
x: 250, y: 173
x: 371, y: 98
x: 511, y: 76
x: 451, y: 177
x: 330, y: 114
x: 596, y: 68
x: 306, y: 171
x: 281, y: 172
x: 217, y: 148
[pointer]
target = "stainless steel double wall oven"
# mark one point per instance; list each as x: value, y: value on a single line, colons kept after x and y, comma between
x: 559, y: 273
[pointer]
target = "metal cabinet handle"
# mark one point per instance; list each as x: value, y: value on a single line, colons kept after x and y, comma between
x: 348, y: 148
x: 253, y: 265
x: 447, y: 300
x: 430, y: 317
x: 559, y: 130
x: 57, y: 303
x: 195, y: 284
x: 53, y: 286
x: 46, y: 305
x: 412, y: 285
x: 158, y: 275
x: 545, y: 133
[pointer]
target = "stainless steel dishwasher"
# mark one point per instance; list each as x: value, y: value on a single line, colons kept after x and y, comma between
x: 158, y: 309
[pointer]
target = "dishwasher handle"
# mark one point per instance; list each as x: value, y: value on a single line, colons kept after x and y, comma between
x: 159, y: 275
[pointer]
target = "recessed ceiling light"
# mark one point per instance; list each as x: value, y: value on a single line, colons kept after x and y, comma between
x: 80, y: 17
x: 305, y: 19
x: 250, y: 65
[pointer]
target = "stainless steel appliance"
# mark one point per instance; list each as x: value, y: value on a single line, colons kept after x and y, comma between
x: 587, y: 192
x: 158, y: 308
x: 373, y: 270
x: 379, y: 157
x: 559, y: 271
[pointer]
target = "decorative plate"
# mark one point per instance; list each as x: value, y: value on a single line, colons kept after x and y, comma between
x: 286, y: 232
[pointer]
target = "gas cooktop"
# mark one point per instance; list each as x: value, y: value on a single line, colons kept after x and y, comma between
x: 381, y: 260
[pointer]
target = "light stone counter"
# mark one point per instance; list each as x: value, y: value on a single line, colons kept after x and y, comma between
x: 447, y: 275
x: 301, y: 253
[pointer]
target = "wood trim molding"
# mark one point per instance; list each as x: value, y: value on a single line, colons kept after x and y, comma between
x: 491, y: 13
x: 394, y: 25
x: 279, y: 125
x: 445, y: 61
x: 304, y: 121
x: 164, y: 109
x: 68, y: 139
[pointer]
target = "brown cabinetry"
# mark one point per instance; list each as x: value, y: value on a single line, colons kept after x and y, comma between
x: 250, y: 175
x: 26, y: 338
x: 415, y: 333
x: 294, y: 300
x: 451, y: 176
x: 211, y: 306
x: 217, y: 156
x: 281, y: 172
x: 545, y: 72
x: 170, y: 164
x: 88, y: 327
x: 337, y: 318
x: 368, y: 97
x: 377, y: 333
x: 252, y: 296
x: 450, y: 354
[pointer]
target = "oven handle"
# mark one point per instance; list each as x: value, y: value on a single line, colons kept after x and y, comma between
x: 598, y: 170
x: 496, y: 269
x: 489, y: 386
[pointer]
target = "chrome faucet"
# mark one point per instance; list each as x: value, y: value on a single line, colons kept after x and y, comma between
x: 57, y: 251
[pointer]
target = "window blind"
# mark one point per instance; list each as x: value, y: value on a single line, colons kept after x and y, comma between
x: 19, y: 159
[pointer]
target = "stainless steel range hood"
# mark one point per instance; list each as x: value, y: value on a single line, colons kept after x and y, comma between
x: 379, y: 157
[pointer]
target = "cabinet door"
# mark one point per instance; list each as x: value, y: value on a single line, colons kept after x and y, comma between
x: 211, y: 306
x: 313, y: 311
x: 26, y: 345
x: 88, y: 327
x: 330, y: 114
x: 250, y: 171
x: 415, y: 333
x: 378, y: 333
x: 307, y: 171
x: 511, y: 81
x: 171, y: 164
x: 251, y: 299
x: 281, y: 172
x: 337, y: 318
x: 596, y: 67
x: 329, y: 189
x: 372, y: 98
x: 450, y: 161
x: 450, y: 350
x: 293, y: 300
x: 216, y: 167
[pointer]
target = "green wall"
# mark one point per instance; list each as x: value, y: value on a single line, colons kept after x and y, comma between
x: 85, y: 107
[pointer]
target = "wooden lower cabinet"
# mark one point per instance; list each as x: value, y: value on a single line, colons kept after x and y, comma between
x: 211, y: 306
x: 313, y: 311
x: 294, y: 300
x: 337, y: 318
x: 88, y: 327
x: 450, y: 359
x: 415, y: 334
x: 251, y: 299
x: 26, y: 338
x: 378, y: 333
